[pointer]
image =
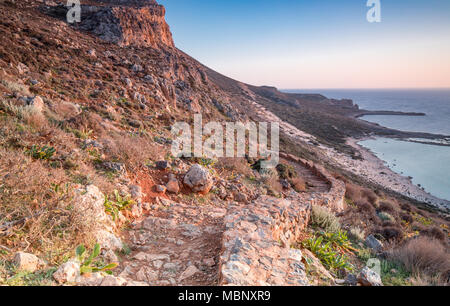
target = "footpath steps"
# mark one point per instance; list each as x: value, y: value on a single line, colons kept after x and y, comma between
x: 177, y: 245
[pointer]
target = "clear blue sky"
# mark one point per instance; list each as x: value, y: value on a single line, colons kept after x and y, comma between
x: 317, y: 43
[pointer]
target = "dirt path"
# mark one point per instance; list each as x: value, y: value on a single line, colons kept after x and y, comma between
x: 176, y: 245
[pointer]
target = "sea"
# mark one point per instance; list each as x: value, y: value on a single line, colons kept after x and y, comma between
x: 427, y: 164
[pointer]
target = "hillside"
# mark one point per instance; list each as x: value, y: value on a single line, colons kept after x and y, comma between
x: 86, y: 112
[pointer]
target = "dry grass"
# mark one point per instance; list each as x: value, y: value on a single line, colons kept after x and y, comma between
x: 324, y: 219
x: 424, y: 257
x: 33, y: 214
x: 272, y: 182
x: 237, y: 165
x: 298, y: 184
x: 133, y: 151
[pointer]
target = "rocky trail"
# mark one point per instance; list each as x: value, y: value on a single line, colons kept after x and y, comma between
x: 179, y: 244
x: 176, y: 245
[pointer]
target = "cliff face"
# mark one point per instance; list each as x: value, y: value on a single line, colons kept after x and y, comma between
x: 128, y: 23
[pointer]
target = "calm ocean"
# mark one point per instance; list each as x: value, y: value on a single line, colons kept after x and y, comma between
x: 429, y: 165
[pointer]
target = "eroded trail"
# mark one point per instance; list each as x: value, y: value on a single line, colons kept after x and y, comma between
x: 176, y: 245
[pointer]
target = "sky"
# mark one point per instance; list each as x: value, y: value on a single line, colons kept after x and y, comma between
x: 308, y: 44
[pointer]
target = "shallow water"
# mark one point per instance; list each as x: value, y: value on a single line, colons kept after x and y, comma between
x: 429, y: 165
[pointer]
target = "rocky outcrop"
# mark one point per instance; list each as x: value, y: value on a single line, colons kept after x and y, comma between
x: 128, y: 23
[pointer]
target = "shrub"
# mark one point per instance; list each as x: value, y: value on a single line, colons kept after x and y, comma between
x: 424, y: 257
x: 331, y: 249
x: 298, y: 184
x: 239, y: 165
x: 388, y: 207
x: 386, y: 217
x: 352, y: 192
x: 271, y: 180
x: 391, y: 232
x: 434, y: 232
x: 370, y: 196
x: 286, y: 171
x: 134, y: 151
x: 406, y: 217
x: 324, y: 219
x: 357, y: 233
x: 35, y: 208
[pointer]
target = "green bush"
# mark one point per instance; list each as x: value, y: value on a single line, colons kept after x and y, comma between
x: 331, y: 249
x: 88, y: 265
x: 44, y: 153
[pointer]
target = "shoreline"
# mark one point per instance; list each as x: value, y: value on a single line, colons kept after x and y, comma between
x: 376, y: 171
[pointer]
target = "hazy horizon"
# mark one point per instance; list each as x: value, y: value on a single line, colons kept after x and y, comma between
x: 322, y: 44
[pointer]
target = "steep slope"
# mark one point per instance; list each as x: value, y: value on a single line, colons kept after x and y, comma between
x: 85, y: 117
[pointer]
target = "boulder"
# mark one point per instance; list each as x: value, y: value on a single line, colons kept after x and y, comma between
x: 373, y: 243
x: 173, y: 186
x: 37, y: 103
x: 162, y: 165
x: 27, y: 262
x: 67, y: 272
x: 198, y: 179
x: 369, y: 278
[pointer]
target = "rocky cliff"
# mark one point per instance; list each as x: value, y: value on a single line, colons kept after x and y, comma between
x: 134, y: 23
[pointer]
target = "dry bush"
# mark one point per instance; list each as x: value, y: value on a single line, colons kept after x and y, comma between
x: 298, y: 184
x: 36, y: 120
x: 324, y: 219
x: 272, y: 182
x: 406, y: 217
x: 33, y: 211
x: 133, y: 151
x: 352, y: 192
x: 357, y: 233
x: 15, y: 87
x: 424, y: 257
x: 434, y: 232
x: 239, y: 165
x: 370, y: 196
x: 391, y: 232
x: 388, y: 207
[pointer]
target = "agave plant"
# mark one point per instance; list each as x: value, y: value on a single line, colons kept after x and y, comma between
x: 88, y: 265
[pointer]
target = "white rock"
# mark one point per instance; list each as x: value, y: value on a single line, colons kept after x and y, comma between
x: 189, y: 272
x: 112, y: 281
x: 37, y: 103
x: 368, y: 277
x: 67, y: 272
x: 27, y: 262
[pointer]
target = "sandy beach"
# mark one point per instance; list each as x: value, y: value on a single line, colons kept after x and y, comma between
x: 376, y: 171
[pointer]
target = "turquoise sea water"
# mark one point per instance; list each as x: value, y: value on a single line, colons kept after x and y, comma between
x: 429, y: 165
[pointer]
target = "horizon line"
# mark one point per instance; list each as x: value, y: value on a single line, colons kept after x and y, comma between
x: 363, y: 88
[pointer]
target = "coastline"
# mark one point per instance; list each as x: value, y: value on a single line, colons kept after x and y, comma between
x: 376, y: 171
x: 370, y: 167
